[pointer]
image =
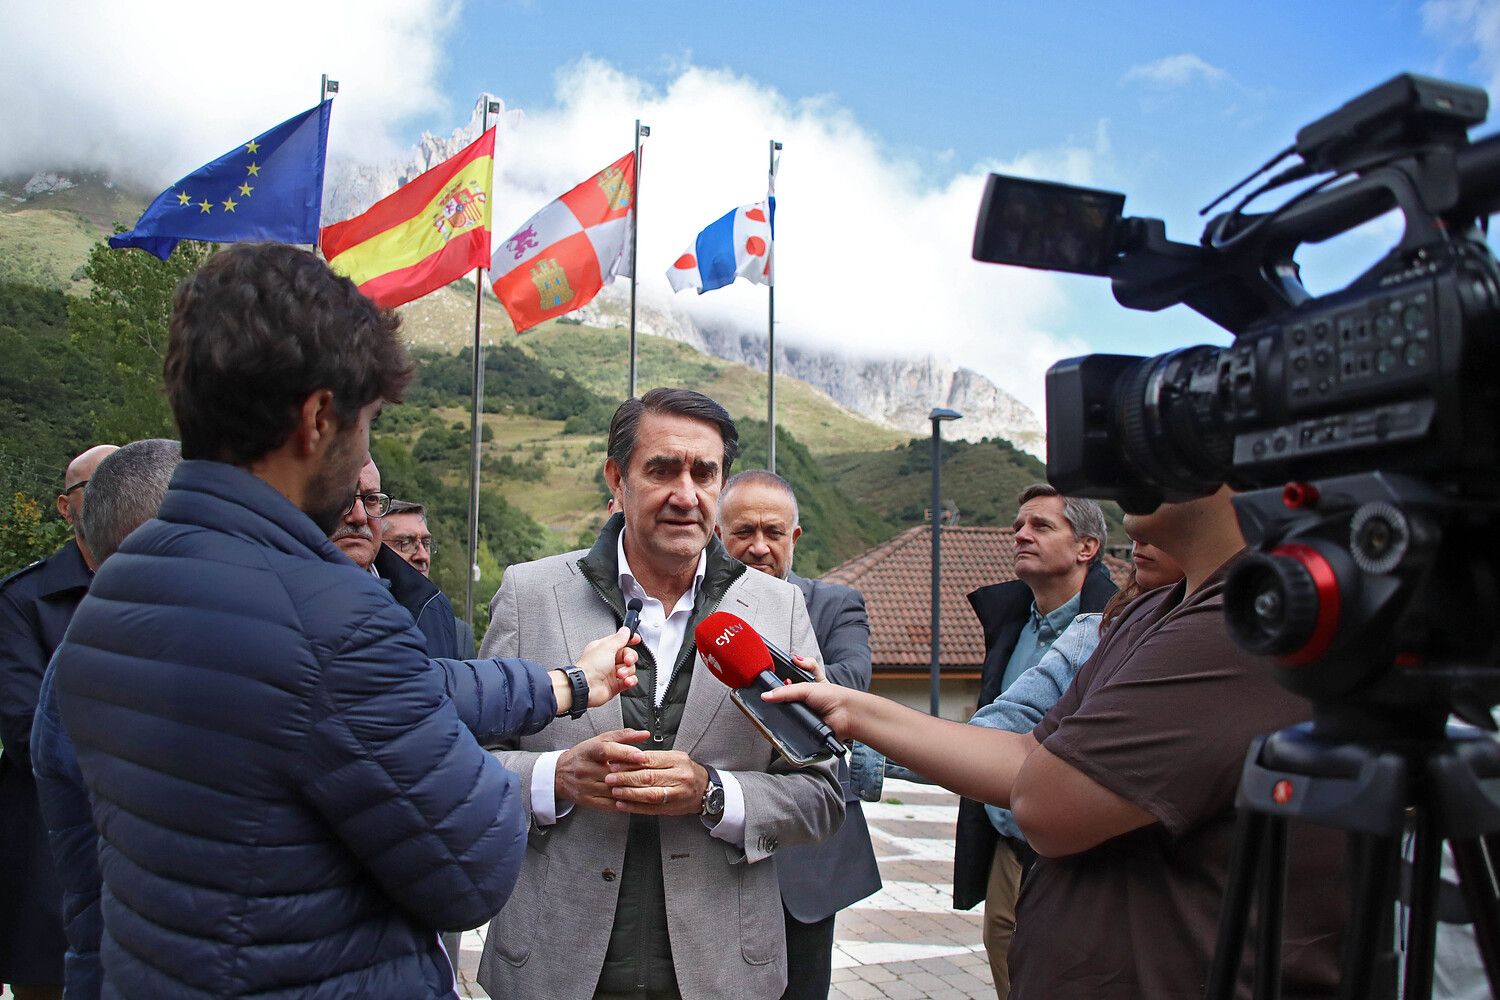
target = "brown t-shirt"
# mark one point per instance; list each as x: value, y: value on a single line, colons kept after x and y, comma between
x: 1162, y: 714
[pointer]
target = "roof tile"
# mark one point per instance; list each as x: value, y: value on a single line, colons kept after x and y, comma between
x: 896, y: 579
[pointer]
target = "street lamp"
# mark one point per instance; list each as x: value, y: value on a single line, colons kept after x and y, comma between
x: 937, y: 416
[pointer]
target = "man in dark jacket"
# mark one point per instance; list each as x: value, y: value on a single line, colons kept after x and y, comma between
x: 760, y: 524
x: 1059, y: 544
x: 289, y: 795
x: 36, y: 604
x: 361, y: 534
x: 123, y: 493
x: 404, y: 531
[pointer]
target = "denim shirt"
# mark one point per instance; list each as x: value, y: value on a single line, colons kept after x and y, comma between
x: 1039, y: 632
x: 1022, y: 705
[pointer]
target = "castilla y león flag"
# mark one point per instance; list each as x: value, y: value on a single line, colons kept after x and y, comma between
x: 433, y: 230
x: 560, y: 258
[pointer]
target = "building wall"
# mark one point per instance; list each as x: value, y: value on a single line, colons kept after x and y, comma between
x: 956, y: 697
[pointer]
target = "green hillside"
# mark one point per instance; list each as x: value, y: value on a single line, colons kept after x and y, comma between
x: 45, y: 239
x: 980, y: 479
x: 82, y: 328
x: 598, y: 358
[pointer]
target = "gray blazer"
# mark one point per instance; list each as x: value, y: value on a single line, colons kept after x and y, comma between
x: 818, y: 880
x: 723, y: 904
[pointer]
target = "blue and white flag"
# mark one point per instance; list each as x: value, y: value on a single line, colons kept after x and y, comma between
x: 737, y: 245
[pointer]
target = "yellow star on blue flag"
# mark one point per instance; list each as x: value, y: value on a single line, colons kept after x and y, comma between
x: 286, y: 165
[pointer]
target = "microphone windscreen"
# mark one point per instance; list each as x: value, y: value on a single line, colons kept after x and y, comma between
x: 733, y: 651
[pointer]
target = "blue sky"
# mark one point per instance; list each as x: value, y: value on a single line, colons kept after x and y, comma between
x: 947, y: 86
x: 892, y: 114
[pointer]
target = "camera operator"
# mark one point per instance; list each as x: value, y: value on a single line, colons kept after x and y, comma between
x: 1126, y: 789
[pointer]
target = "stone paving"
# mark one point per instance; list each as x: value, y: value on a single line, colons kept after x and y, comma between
x: 906, y: 942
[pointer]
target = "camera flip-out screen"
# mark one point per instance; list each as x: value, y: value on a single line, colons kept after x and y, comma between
x: 1054, y: 227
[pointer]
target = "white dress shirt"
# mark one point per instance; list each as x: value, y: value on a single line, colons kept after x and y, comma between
x: 663, y: 634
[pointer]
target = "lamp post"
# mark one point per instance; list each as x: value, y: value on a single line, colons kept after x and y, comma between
x: 937, y: 416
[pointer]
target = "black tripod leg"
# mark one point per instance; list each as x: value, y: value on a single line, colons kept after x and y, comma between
x: 1477, y: 880
x: 1421, y: 928
x: 1373, y: 864
x: 1271, y: 905
x: 1249, y: 833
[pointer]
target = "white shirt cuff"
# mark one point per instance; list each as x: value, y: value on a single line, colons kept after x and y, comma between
x: 545, y: 808
x: 731, y: 825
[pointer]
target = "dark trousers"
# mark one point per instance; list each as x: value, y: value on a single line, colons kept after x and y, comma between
x: 809, y: 958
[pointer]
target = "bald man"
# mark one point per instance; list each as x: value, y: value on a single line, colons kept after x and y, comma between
x: 36, y: 604
x: 70, y: 500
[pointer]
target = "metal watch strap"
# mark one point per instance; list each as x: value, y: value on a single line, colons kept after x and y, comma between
x: 580, y: 684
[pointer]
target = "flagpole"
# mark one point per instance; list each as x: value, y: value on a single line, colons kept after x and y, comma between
x: 635, y: 211
x: 325, y: 87
x: 771, y: 337
x: 476, y: 404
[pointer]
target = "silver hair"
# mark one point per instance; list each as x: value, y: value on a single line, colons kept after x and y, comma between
x: 126, y: 491
x: 407, y: 507
x: 762, y: 477
x: 1084, y: 516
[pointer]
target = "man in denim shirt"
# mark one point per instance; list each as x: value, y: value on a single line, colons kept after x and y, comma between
x: 1059, y: 543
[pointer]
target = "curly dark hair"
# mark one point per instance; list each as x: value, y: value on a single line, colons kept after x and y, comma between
x: 258, y: 328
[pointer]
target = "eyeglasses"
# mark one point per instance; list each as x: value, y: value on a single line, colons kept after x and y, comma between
x: 376, y: 504
x: 407, y: 544
x: 76, y: 486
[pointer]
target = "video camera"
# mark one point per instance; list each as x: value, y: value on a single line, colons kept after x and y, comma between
x: 1362, y: 427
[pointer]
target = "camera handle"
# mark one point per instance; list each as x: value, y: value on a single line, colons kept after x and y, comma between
x: 1451, y: 784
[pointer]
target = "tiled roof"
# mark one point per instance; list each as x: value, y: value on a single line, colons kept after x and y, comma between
x: 896, y: 579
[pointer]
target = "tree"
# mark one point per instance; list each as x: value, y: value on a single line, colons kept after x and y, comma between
x: 25, y: 536
x: 122, y: 324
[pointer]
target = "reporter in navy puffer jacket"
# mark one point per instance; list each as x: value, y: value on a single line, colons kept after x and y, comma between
x: 289, y: 799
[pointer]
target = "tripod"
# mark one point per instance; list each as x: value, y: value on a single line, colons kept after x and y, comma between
x: 1450, y: 780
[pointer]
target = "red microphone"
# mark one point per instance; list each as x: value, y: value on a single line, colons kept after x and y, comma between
x: 737, y: 655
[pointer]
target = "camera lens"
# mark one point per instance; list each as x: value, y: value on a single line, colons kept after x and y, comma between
x: 1168, y: 412
x: 1271, y: 603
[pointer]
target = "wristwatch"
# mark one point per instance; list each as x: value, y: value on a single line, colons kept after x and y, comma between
x: 713, y: 796
x: 579, y: 681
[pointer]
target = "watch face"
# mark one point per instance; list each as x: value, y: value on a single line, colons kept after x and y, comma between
x: 713, y: 801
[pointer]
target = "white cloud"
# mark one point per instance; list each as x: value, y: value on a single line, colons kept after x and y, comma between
x: 150, y: 91
x: 1469, y: 23
x: 1176, y: 71
x: 872, y: 256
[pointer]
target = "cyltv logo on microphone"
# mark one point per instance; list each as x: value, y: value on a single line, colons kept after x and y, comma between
x: 724, y: 637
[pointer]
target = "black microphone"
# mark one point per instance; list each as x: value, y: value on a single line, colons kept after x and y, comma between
x: 737, y: 655
x: 633, y: 618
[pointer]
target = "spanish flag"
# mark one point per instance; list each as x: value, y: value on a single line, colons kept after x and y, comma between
x: 433, y: 230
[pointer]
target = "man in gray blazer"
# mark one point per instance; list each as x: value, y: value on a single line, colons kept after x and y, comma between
x: 649, y: 872
x: 759, y: 524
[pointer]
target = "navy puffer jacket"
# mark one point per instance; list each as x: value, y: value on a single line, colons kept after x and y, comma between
x: 288, y: 797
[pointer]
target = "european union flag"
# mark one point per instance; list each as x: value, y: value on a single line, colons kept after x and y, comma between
x: 271, y: 188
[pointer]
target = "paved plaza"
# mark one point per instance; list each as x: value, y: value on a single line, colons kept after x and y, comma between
x: 906, y: 942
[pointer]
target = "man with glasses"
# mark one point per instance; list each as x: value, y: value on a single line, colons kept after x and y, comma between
x: 406, y: 531
x: 36, y: 604
x: 360, y: 534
